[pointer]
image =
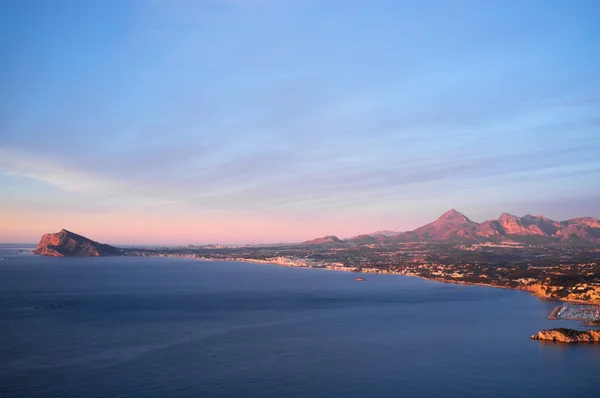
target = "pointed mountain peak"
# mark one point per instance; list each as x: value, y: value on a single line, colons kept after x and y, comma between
x: 507, y: 216
x: 453, y: 215
x: 452, y: 211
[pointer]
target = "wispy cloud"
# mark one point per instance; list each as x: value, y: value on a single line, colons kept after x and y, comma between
x: 72, y: 177
x: 52, y: 170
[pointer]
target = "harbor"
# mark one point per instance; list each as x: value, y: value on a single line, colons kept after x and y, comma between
x: 589, y: 314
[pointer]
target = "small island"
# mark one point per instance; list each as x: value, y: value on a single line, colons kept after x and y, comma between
x: 564, y: 335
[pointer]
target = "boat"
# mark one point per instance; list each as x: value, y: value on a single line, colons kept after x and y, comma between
x: 359, y: 279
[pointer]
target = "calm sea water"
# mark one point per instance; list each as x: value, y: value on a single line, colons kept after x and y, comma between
x: 113, y: 327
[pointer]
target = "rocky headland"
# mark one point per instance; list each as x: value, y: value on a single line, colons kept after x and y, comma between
x: 66, y: 243
x: 564, y: 335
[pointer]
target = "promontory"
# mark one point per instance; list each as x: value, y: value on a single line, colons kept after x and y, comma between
x: 67, y: 243
x: 564, y: 335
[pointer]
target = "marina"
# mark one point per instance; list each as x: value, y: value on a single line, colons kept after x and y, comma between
x: 589, y: 314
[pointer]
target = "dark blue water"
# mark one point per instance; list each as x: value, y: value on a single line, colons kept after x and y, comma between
x: 115, y: 327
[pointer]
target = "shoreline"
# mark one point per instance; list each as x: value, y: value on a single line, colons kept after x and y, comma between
x: 340, y: 268
x: 524, y: 289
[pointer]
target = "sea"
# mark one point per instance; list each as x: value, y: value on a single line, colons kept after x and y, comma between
x: 162, y: 327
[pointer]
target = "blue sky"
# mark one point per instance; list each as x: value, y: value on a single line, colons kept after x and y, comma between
x: 265, y: 120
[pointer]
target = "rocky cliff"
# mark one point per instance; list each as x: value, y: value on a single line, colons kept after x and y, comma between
x: 568, y: 335
x: 66, y: 243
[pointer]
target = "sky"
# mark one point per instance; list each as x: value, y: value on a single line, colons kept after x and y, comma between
x: 249, y: 121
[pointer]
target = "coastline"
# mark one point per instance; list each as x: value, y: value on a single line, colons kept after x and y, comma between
x: 286, y: 262
x: 523, y: 289
x: 527, y: 289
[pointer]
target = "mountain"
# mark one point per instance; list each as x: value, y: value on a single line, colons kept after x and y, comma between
x: 455, y: 227
x: 508, y: 224
x: 518, y: 228
x: 451, y: 225
x: 584, y: 228
x: 384, y: 234
x: 324, y: 240
x: 66, y: 243
x: 363, y: 239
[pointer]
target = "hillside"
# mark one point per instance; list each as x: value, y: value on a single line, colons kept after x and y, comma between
x: 66, y: 243
x: 324, y: 240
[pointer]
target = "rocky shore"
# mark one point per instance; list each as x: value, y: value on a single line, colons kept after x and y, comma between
x: 568, y: 335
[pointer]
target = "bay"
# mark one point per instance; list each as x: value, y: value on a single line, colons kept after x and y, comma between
x: 99, y: 327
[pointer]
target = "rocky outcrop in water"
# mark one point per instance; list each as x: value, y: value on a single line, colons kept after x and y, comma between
x: 66, y: 243
x: 568, y: 335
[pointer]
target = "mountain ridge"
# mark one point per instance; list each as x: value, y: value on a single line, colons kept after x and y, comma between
x: 455, y: 227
